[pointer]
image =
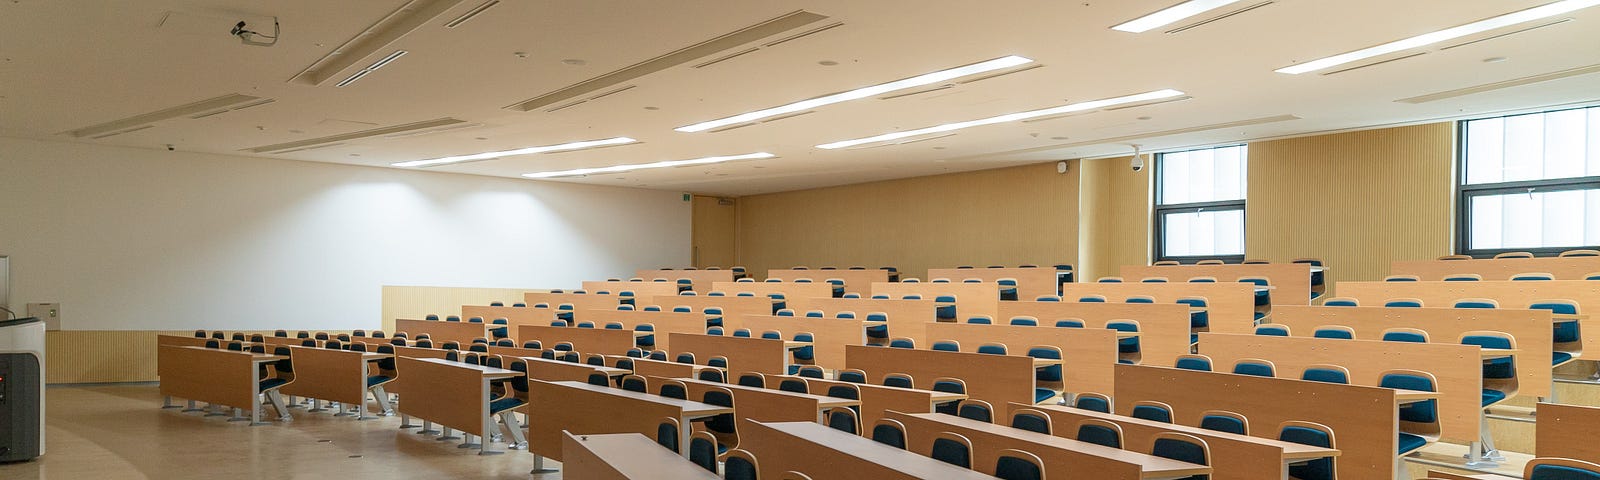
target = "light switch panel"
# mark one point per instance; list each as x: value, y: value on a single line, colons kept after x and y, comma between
x: 49, y: 312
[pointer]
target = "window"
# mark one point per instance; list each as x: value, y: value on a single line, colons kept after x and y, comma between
x: 1530, y: 182
x: 1200, y: 204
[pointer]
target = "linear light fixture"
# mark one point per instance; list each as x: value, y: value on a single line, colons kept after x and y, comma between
x: 875, y: 90
x: 521, y: 151
x: 643, y: 166
x: 1531, y: 14
x: 1010, y: 117
x: 1171, y: 14
x: 371, y: 68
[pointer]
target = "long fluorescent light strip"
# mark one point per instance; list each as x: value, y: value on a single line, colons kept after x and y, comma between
x: 1011, y: 117
x: 521, y: 151
x: 872, y: 91
x: 371, y: 68
x: 644, y: 166
x: 1535, y: 13
x: 1170, y: 15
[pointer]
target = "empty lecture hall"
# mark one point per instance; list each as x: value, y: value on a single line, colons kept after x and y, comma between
x: 800, y: 240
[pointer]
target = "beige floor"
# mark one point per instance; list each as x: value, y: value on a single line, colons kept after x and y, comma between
x: 119, y: 432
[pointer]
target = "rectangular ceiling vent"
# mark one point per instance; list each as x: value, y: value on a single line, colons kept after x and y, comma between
x: 314, y: 147
x: 947, y: 86
x: 1217, y: 18
x: 471, y: 14
x: 764, y: 46
x: 235, y: 108
x: 901, y: 142
x: 758, y: 122
x: 1515, y: 82
x: 301, y: 145
x: 1374, y: 64
x: 377, y: 37
x: 1493, y: 36
x: 430, y: 131
x: 1108, y: 109
x: 590, y: 98
x: 1178, y: 131
x: 682, y: 56
x: 211, y: 106
x: 120, y: 132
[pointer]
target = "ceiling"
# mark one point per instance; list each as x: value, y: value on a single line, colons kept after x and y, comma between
x: 69, y: 65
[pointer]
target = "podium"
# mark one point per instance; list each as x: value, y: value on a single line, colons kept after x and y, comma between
x: 21, y: 389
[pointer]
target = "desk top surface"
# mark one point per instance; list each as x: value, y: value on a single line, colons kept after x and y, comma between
x: 1151, y: 465
x: 487, y: 372
x: 1291, y: 450
x: 637, y: 456
x: 871, y: 451
x: 689, y: 407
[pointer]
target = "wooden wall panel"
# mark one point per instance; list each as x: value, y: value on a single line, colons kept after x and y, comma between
x: 1357, y: 200
x: 1008, y: 216
x: 98, y: 356
x: 715, y: 235
x: 1114, y: 202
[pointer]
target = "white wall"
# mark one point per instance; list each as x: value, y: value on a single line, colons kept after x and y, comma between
x: 133, y: 239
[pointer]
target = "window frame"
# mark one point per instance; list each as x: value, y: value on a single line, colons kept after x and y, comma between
x: 1158, y: 225
x: 1466, y: 192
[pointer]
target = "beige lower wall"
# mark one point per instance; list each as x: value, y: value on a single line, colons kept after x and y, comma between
x: 1007, y: 216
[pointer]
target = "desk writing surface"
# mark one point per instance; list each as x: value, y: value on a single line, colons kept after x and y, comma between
x: 487, y: 372
x: 811, y: 436
x: 1152, y: 466
x: 690, y: 408
x: 625, y: 456
x: 1291, y: 450
x: 822, y: 400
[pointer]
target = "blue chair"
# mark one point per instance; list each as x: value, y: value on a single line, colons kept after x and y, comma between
x: 1153, y: 280
x: 1152, y: 410
x: 673, y: 389
x: 852, y: 376
x: 1477, y: 303
x: 1049, y: 376
x: 685, y: 358
x: 948, y: 385
x: 1525, y: 277
x: 1272, y: 330
x: 1499, y: 376
x: 1183, y: 448
x: 1024, y: 321
x: 1069, y: 323
x: 1463, y: 277
x: 779, y: 303
x: 501, y: 330
x: 1255, y: 367
x: 889, y: 432
x: 634, y: 383
x: 1199, y: 316
x: 1402, y: 278
x: 1008, y: 289
x: 1100, y: 432
x: 1409, y: 335
x: 952, y: 448
x: 944, y: 308
x: 1225, y: 421
x: 1419, y: 421
x: 1403, y: 303
x: 810, y: 371
x: 742, y: 333
x: 1560, y: 469
x: 946, y: 346
x: 647, y: 341
x: 1109, y: 280
x: 814, y: 314
x: 1140, y: 299
x: 703, y: 451
x: 1313, y: 434
x: 992, y: 348
x: 844, y: 420
x: 902, y: 342
x: 1319, y: 282
x: 1341, y: 302
x: 1031, y: 420
x: 1334, y: 331
x: 898, y: 380
x: 1013, y: 464
x: 790, y: 313
x: 1092, y: 299
x: 975, y: 409
x: 1093, y: 402
x: 713, y: 316
x: 1048, y: 298
x: 1193, y: 362
x: 1326, y: 374
x: 805, y: 353
x: 793, y: 385
x: 1127, y: 348
x: 1566, y: 336
x: 772, y: 335
x: 585, y: 324
x: 878, y: 331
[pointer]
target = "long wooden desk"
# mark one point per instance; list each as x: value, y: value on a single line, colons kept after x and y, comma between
x: 1229, y: 306
x: 752, y: 354
x: 333, y: 375
x: 821, y: 452
x: 996, y: 379
x: 905, y: 318
x: 701, y: 279
x: 1087, y: 353
x: 765, y: 404
x: 442, y: 331
x: 659, y: 368
x: 1563, y: 268
x: 514, y: 315
x: 664, y: 323
x: 452, y: 394
x: 876, y: 399
x: 557, y: 370
x: 214, y: 376
x: 1510, y: 294
x: 1363, y: 418
x: 584, y: 409
x: 972, y: 299
x: 1567, y: 431
x: 1531, y: 328
x: 1031, y: 282
x: 1234, y: 456
x: 625, y: 456
x: 1293, y: 280
x: 1086, y: 459
x: 641, y: 290
x: 855, y: 281
x: 1163, y: 327
x: 1458, y: 368
x: 579, y: 301
x: 732, y: 306
x: 829, y: 335
x: 790, y: 290
x: 587, y: 340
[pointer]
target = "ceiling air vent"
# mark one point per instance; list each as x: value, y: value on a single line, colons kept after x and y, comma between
x: 1217, y: 18
x: 302, y: 145
x: 1515, y: 82
x: 471, y: 14
x: 211, y: 106
x: 378, y: 36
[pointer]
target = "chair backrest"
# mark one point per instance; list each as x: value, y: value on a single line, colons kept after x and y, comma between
x: 1326, y: 374
x: 976, y: 410
x: 1225, y: 421
x: 1581, y: 253
x: 673, y: 389
x: 1024, y: 320
x: 1341, y: 302
x: 847, y: 391
x: 752, y: 379
x: 1256, y: 367
x: 1334, y: 331
x: 1093, y: 402
x: 667, y: 434
x: 1109, y: 280
x: 1463, y: 277
x: 952, y: 448
x: 1548, y: 468
x: 1402, y: 278
x: 980, y: 320
x: 889, y: 432
x: 703, y: 450
x: 794, y: 385
x: 852, y: 375
x: 1181, y: 447
x: 740, y: 465
x: 1191, y: 361
x: 1402, y: 334
x: 898, y: 380
x: 1425, y: 412
x: 844, y: 420
x: 993, y: 348
x: 1499, y: 373
x: 1140, y: 299
x: 947, y: 345
x: 1403, y: 303
x: 1532, y: 276
x: 1477, y: 303
x: 1455, y: 257
x: 1031, y: 420
x: 1514, y: 255
x: 1015, y: 464
x: 1099, y: 432
x: 1153, y: 280
x: 634, y: 383
x: 1313, y: 434
x: 812, y: 371
x: 902, y: 342
x: 1069, y: 323
x: 1152, y: 410
x: 1272, y: 330
x: 1203, y: 280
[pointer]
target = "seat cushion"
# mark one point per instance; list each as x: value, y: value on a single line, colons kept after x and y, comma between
x: 1491, y: 397
x: 1042, y: 394
x: 1409, y: 442
x: 504, y: 404
x: 374, y: 380
x: 272, y: 383
x: 1558, y: 358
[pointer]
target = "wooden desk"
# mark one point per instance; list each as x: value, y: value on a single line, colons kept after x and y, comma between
x: 585, y: 409
x: 182, y: 341
x: 452, y: 394
x: 1363, y: 418
x: 641, y: 290
x: 821, y: 452
x: 659, y: 368
x: 702, y: 279
x: 1511, y: 295
x: 415, y: 352
x: 1091, y: 352
x: 1085, y: 459
x: 996, y: 379
x: 906, y: 318
x: 855, y: 281
x: 1567, y: 431
x: 1564, y: 268
x: 790, y: 290
x: 664, y: 322
x: 1031, y: 282
x: 557, y: 370
x: 744, y: 354
x: 333, y: 375
x: 514, y: 316
x: 1163, y: 327
x: 1458, y: 368
x: 586, y: 340
x: 1233, y: 456
x: 625, y: 456
x: 1444, y: 325
x: 972, y: 299
x: 876, y: 399
x: 767, y: 405
x: 829, y: 336
x: 731, y: 306
x: 579, y: 301
x: 1230, y: 306
x: 442, y: 331
x: 215, y: 376
x: 1292, y: 281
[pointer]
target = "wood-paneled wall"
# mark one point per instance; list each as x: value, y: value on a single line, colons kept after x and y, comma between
x: 102, y: 356
x: 1007, y: 216
x: 1358, y: 200
x: 716, y: 233
x: 1115, y: 218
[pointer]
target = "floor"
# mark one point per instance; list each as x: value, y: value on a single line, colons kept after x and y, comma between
x: 113, y: 432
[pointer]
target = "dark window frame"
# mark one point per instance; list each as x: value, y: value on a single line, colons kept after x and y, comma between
x: 1158, y: 229
x: 1466, y: 192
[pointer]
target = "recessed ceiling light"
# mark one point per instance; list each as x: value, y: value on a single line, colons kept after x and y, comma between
x: 521, y: 151
x: 1171, y: 14
x: 643, y: 166
x: 919, y: 80
x: 1535, y: 13
x: 1010, y: 117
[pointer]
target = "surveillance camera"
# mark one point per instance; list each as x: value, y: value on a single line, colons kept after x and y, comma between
x: 1137, y: 164
x: 171, y: 148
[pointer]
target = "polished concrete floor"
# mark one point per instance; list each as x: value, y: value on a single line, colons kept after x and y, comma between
x: 120, y: 432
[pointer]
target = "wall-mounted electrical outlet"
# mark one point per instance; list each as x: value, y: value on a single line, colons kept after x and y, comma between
x: 49, y: 312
